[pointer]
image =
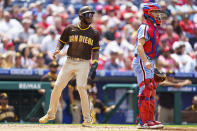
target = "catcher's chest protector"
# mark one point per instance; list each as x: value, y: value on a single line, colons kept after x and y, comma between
x: 150, y: 47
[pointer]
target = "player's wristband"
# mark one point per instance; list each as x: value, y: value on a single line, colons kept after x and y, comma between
x: 94, y: 61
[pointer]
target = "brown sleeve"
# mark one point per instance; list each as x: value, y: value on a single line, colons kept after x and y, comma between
x: 96, y: 44
x: 64, y: 37
x: 45, y: 78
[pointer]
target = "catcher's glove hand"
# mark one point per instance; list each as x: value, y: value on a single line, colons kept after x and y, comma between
x: 159, y: 76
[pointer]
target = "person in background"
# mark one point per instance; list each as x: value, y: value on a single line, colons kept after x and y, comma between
x: 49, y: 44
x: 44, y: 23
x: 187, y: 25
x: 9, y: 59
x: 35, y: 40
x: 75, y: 103
x: 166, y: 100
x: 25, y: 32
x: 175, y: 9
x: 109, y: 35
x: 165, y: 62
x: 193, y: 107
x: 6, y: 111
x: 51, y: 77
x: 2, y: 62
x: 195, y: 61
x: 187, y: 115
x: 5, y: 40
x: 111, y: 63
x: 185, y: 62
x: 193, y: 38
x: 98, y: 106
x: 185, y: 41
x: 119, y: 43
x: 18, y: 63
x: 26, y: 61
x: 40, y: 62
x: 170, y: 36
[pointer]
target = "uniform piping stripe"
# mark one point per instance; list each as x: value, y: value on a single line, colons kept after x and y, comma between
x: 144, y: 74
x: 62, y: 41
x: 83, y: 29
x: 145, y: 32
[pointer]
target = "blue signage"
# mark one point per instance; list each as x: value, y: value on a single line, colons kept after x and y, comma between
x: 182, y: 89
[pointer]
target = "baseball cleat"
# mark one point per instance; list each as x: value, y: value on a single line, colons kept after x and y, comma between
x: 144, y: 126
x: 87, y: 124
x: 158, y: 124
x: 148, y: 125
x: 46, y: 118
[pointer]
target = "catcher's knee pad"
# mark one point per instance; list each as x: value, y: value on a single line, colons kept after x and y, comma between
x: 153, y: 93
x: 152, y: 109
x: 144, y: 107
x: 154, y: 83
x: 148, y: 86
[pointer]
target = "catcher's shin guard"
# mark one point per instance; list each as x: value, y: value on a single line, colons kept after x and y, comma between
x: 152, y: 109
x: 154, y: 84
x: 144, y: 106
x: 144, y: 100
x: 152, y: 105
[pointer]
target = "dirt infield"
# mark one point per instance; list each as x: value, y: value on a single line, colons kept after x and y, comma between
x: 64, y: 127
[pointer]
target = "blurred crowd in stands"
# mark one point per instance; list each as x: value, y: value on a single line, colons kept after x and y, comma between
x: 29, y: 32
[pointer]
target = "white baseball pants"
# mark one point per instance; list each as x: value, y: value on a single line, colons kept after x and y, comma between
x: 79, y: 68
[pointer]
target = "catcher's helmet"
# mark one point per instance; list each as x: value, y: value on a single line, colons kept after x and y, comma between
x: 85, y: 9
x: 147, y: 14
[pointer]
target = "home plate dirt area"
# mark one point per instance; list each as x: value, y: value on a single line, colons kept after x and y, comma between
x: 96, y: 127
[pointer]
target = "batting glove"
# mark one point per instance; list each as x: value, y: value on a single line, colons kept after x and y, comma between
x: 92, y: 73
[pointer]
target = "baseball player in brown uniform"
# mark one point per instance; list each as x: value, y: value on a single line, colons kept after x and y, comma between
x: 6, y: 111
x: 83, y: 41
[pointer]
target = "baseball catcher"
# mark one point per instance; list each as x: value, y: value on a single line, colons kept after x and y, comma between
x: 143, y: 64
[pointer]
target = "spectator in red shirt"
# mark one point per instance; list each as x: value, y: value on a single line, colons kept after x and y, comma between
x: 101, y: 63
x: 165, y: 62
x: 193, y: 38
x: 128, y: 9
x: 58, y: 25
x: 64, y: 19
x: 187, y: 25
x: 44, y: 24
x: 170, y: 36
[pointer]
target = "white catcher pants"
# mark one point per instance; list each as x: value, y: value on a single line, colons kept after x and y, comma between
x: 79, y: 68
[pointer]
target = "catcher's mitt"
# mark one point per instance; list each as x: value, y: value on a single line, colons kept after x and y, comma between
x: 159, y: 76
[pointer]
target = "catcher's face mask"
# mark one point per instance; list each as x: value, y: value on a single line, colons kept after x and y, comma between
x: 159, y: 16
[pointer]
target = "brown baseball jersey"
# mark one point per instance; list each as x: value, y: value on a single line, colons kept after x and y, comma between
x: 7, y: 114
x: 81, y: 41
x: 50, y: 78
